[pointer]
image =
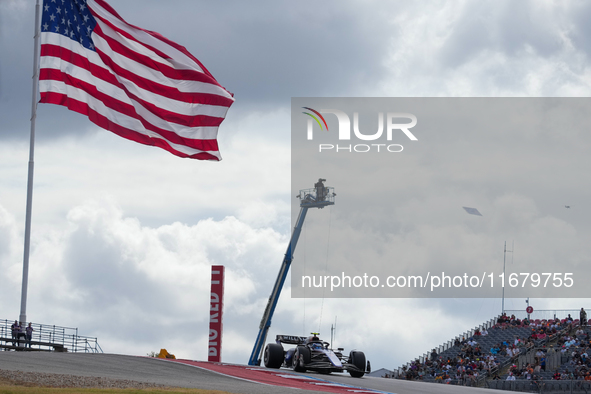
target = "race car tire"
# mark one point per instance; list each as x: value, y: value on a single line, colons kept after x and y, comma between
x: 273, y: 356
x: 358, y: 360
x: 301, y: 358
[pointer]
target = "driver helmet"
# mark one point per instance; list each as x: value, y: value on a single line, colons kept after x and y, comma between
x: 313, y: 338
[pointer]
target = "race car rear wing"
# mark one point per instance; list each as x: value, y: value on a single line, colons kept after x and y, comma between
x: 290, y: 339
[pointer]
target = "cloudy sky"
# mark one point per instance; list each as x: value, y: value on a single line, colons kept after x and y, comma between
x: 124, y: 235
x: 399, y: 209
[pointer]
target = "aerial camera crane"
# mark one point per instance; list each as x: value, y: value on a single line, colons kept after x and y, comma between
x: 318, y: 197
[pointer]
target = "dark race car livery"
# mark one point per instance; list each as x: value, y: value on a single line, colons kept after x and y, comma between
x: 310, y: 353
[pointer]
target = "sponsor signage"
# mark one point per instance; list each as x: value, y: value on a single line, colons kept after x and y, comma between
x: 215, y: 314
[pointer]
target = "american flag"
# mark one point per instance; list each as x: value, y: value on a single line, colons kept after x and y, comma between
x: 130, y: 81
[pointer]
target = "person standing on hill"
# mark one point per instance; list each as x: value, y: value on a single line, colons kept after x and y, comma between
x: 29, y: 330
x: 15, y: 329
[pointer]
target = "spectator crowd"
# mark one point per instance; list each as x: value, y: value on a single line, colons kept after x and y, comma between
x: 487, y: 352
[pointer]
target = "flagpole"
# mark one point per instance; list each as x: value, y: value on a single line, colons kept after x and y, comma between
x: 23, y: 315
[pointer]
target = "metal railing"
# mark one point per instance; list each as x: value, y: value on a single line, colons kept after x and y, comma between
x: 546, y: 314
x: 541, y: 386
x: 51, y: 337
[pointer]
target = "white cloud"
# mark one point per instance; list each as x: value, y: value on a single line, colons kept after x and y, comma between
x: 7, y: 234
x: 124, y: 235
x: 117, y: 275
x: 466, y: 48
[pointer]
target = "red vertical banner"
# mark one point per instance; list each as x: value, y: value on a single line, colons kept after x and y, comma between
x: 216, y: 307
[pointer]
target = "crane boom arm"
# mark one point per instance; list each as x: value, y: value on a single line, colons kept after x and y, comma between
x: 255, y: 357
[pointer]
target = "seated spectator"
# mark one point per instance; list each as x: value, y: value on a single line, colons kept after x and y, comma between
x: 513, y: 368
x: 565, y: 375
x: 534, y: 335
x: 563, y: 350
x: 516, y: 351
x: 530, y: 369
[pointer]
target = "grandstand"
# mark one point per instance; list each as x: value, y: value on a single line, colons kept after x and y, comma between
x: 548, y: 353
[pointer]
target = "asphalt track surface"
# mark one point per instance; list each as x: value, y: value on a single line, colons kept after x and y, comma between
x: 210, y: 376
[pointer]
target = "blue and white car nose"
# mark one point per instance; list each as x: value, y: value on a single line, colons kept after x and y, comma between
x: 333, y: 358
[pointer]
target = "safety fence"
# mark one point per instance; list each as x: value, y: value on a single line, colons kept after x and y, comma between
x: 541, y: 385
x: 46, y: 337
x: 545, y: 314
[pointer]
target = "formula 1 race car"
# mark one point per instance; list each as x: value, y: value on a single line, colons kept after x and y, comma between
x: 313, y: 354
